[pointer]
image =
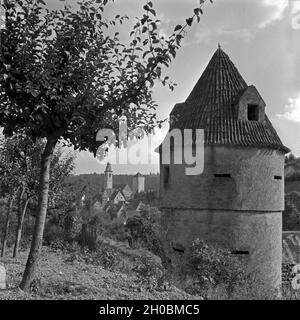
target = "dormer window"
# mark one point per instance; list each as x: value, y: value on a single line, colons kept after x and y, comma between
x: 251, y: 106
x: 253, y: 112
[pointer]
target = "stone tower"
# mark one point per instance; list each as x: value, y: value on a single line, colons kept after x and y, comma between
x: 138, y: 183
x: 237, y: 201
x: 108, y: 177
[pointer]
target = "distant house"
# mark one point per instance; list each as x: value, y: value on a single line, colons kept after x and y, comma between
x: 115, y: 193
x: 119, y: 200
x: 117, y: 196
x: 129, y: 210
x: 125, y: 189
x: 134, y: 208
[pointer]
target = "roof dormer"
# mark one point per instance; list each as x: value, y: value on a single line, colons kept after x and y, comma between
x: 250, y: 105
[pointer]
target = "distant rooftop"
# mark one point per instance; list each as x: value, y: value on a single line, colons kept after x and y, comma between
x: 138, y: 175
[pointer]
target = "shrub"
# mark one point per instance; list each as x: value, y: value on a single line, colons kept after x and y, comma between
x: 115, y: 230
x: 145, y: 234
x: 53, y: 233
x: 214, y: 268
x: 103, y: 255
x: 149, y: 271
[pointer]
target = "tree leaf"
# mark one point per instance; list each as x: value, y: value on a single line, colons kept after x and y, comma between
x: 189, y: 21
x: 178, y: 27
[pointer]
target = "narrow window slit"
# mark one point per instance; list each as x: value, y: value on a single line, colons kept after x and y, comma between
x: 166, y: 174
x: 178, y: 250
x: 240, y: 252
x: 177, y: 247
x: 278, y: 177
x: 223, y: 175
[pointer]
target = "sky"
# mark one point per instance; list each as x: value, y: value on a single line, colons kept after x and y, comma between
x: 260, y: 36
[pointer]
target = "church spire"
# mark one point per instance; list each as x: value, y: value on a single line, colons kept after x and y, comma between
x: 108, y: 177
x: 108, y: 167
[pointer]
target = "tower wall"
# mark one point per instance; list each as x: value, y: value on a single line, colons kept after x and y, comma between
x: 108, y: 180
x: 253, y: 183
x: 138, y: 184
x: 257, y: 234
x: 242, y: 211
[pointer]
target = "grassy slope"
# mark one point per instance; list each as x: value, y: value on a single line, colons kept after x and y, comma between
x: 59, y: 278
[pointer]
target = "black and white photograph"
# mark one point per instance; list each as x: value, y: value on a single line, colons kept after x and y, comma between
x: 149, y: 151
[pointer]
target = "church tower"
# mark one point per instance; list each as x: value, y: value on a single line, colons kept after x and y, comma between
x: 108, y: 177
x: 238, y: 199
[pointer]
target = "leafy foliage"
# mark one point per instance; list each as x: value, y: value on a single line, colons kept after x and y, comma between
x: 291, y: 218
x: 20, y: 161
x: 215, y: 266
x: 146, y: 234
x: 66, y: 74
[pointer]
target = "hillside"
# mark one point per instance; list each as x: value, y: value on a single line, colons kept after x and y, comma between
x: 67, y: 276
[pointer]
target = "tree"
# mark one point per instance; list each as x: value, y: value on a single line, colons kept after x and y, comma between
x: 11, y: 172
x: 29, y: 159
x: 65, y: 75
x: 62, y: 165
x: 22, y: 208
x: 7, y: 222
x: 291, y: 216
x: 20, y: 166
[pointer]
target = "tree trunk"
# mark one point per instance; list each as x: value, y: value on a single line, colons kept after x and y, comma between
x: 37, y: 238
x: 7, y: 222
x: 22, y: 212
x: 84, y: 235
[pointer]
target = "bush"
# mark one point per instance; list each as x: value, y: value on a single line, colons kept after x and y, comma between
x: 103, y: 255
x: 145, y: 234
x: 150, y: 272
x: 115, y: 230
x: 53, y: 233
x: 215, y: 268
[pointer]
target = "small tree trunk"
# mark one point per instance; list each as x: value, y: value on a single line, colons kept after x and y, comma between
x: 20, y: 227
x: 37, y: 238
x: 7, y: 222
x: 84, y: 235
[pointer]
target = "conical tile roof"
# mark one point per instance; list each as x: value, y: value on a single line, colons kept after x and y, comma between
x: 211, y: 106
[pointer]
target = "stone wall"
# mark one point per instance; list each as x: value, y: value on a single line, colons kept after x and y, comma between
x: 236, y: 202
x: 254, y: 236
x: 252, y: 185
